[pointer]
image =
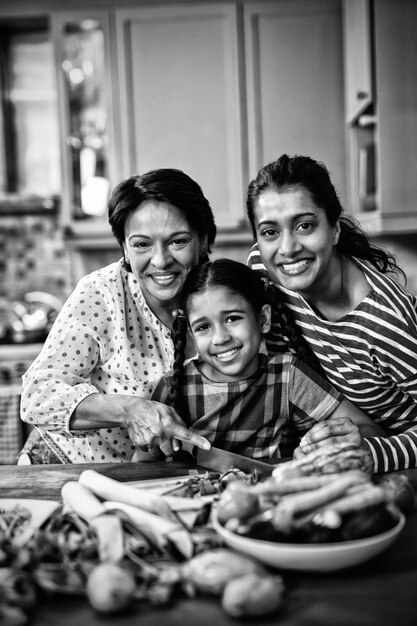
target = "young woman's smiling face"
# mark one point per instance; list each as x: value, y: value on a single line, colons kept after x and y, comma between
x: 296, y: 241
x: 161, y: 248
x: 227, y: 333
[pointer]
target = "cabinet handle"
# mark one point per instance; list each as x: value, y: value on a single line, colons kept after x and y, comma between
x: 361, y: 95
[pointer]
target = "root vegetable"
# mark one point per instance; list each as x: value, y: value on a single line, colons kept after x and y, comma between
x: 239, y: 503
x: 253, y: 595
x: 398, y: 490
x: 210, y: 571
x: 302, y: 504
x: 369, y: 495
x: 81, y: 500
x: 296, y: 484
x: 110, y: 588
x: 158, y: 530
x: 110, y: 489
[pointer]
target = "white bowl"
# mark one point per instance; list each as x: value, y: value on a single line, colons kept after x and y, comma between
x: 317, y: 557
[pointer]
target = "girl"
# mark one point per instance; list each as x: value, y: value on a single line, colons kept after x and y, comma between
x: 232, y: 393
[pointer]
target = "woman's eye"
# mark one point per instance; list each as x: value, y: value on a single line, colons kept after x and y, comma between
x: 179, y: 243
x: 269, y: 233
x: 305, y: 226
x: 141, y: 245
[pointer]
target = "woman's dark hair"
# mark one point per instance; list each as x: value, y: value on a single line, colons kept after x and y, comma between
x: 314, y: 176
x: 238, y: 279
x: 162, y: 185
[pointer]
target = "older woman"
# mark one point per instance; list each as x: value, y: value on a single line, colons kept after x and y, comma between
x: 87, y: 394
x: 360, y: 323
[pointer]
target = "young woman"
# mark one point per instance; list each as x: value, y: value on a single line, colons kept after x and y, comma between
x: 360, y: 323
x: 88, y: 392
x: 232, y: 393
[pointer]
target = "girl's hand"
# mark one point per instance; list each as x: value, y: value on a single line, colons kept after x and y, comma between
x: 157, y: 426
x: 331, y: 431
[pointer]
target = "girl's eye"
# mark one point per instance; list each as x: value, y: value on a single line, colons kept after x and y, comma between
x: 233, y: 318
x: 201, y: 328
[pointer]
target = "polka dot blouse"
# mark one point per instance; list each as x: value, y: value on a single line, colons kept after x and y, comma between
x: 105, y: 340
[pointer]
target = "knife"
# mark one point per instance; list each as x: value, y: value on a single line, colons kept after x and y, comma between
x: 222, y: 460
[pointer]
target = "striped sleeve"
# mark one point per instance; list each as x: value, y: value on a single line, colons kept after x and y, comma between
x: 397, y: 452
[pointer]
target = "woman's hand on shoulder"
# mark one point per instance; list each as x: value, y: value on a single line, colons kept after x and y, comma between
x: 158, y: 427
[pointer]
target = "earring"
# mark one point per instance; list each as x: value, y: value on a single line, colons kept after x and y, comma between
x: 126, y: 264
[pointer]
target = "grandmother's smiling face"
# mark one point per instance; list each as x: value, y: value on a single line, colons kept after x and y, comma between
x: 161, y: 248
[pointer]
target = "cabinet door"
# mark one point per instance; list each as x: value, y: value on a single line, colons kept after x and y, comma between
x: 357, y: 45
x: 295, y: 82
x: 84, y: 80
x: 396, y: 77
x: 180, y: 103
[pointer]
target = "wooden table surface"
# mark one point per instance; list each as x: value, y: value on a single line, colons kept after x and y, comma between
x: 381, y: 592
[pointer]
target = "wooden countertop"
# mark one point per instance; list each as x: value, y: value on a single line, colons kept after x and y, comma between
x: 380, y: 592
x: 45, y: 481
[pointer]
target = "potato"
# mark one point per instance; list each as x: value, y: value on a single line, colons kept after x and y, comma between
x: 237, y: 501
x: 253, y: 594
x: 210, y: 571
x: 110, y: 588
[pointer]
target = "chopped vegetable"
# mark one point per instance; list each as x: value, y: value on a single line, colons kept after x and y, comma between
x: 160, y: 531
x: 110, y: 588
x: 209, y: 572
x: 253, y: 595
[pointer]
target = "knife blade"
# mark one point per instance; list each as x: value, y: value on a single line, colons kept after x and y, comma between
x: 222, y: 460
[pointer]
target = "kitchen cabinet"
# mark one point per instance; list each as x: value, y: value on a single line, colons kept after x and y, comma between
x: 217, y: 89
x: 294, y: 66
x: 358, y: 70
x: 180, y: 76
x: 85, y: 85
x: 382, y: 151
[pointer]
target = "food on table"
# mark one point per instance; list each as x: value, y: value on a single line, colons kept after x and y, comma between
x: 160, y: 531
x: 253, y: 595
x: 159, y: 557
x: 399, y: 490
x: 110, y: 489
x: 82, y: 501
x: 13, y: 522
x: 210, y: 571
x: 305, y: 502
x: 237, y: 501
x: 110, y: 587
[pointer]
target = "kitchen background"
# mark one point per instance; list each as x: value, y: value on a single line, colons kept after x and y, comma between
x: 92, y: 95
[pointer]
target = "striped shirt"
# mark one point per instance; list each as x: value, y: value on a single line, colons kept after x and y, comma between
x: 370, y: 355
x: 249, y: 416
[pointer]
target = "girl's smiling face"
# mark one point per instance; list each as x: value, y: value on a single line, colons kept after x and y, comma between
x: 227, y: 333
x: 296, y: 241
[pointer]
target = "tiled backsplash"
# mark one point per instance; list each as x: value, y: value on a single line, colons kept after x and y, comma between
x: 33, y: 257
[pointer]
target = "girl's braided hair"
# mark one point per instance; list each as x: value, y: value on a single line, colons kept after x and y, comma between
x: 283, y: 318
x: 238, y: 279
